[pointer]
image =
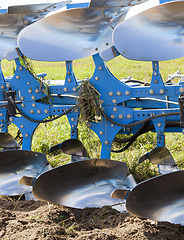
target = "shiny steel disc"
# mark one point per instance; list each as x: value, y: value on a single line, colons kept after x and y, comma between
x: 87, y: 183
x: 115, y: 3
x: 152, y: 35
x: 71, y: 34
x: 14, y: 165
x: 160, y: 198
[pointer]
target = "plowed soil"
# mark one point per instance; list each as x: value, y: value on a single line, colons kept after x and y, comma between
x: 39, y: 220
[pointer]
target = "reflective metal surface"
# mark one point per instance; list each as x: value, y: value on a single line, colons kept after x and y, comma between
x: 160, y: 198
x: 15, y: 164
x: 160, y: 156
x: 109, y: 54
x: 153, y: 35
x: 12, y: 24
x: 37, y: 8
x: 87, y: 183
x: 115, y: 3
x: 71, y: 34
x: 7, y: 141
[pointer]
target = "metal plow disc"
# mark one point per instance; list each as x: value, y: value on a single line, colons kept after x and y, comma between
x: 152, y: 35
x: 160, y: 198
x: 14, y: 165
x: 87, y: 183
x: 71, y: 34
x: 7, y: 141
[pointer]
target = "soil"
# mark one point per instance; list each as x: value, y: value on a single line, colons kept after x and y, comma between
x: 36, y: 220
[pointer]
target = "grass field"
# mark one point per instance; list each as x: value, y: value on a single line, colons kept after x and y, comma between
x: 49, y: 134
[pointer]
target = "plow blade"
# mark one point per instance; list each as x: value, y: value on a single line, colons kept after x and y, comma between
x: 155, y: 34
x: 87, y: 183
x: 160, y: 198
x: 7, y: 141
x: 14, y: 165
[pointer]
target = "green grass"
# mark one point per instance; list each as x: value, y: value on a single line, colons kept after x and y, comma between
x: 49, y: 134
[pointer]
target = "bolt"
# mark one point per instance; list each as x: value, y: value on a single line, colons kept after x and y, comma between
x: 69, y: 80
x: 73, y: 126
x: 22, y: 105
x: 29, y: 91
x: 112, y: 116
x: 11, y: 119
x: 22, y: 126
x: 33, y: 97
x: 129, y: 116
x: 36, y: 90
x: 118, y: 93
x: 101, y: 132
x: 96, y: 78
x: 181, y: 89
x: 106, y: 142
x: 155, y: 74
x: 20, y: 68
x: 34, y: 105
x: 120, y: 116
x: 65, y: 89
x: 102, y: 101
x: 114, y: 100
x: 112, y: 125
x: 17, y: 77
x: 115, y: 109
x: 28, y: 83
x: 76, y: 110
x: 127, y: 93
x: 161, y: 91
x: 74, y: 89
x: 159, y: 132
x: 22, y: 98
x: 8, y: 85
x: 151, y: 91
x: 26, y: 135
x: 38, y: 111
x: 1, y: 114
x: 72, y: 119
x: 68, y: 73
x: 31, y: 111
x: 46, y: 111
x: 110, y: 93
x: 2, y: 87
x: 156, y: 81
x: 159, y: 124
x: 100, y: 68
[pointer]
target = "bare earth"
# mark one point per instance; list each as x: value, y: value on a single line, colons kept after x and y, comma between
x: 39, y: 220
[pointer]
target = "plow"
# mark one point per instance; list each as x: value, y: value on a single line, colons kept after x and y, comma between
x: 56, y: 31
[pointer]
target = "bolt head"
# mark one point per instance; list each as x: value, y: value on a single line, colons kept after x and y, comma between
x: 115, y: 109
x: 46, y: 111
x: 151, y: 91
x: 118, y: 93
x: 100, y: 68
x: 106, y: 142
x: 120, y: 116
x: 181, y: 89
x: 22, y: 105
x: 2, y: 87
x: 20, y: 68
x: 114, y: 100
x: 101, y: 132
x: 74, y: 89
x: 65, y: 89
x: 38, y: 111
x: 28, y: 83
x: 11, y: 119
x: 36, y: 90
x: 22, y: 126
x: 110, y: 93
x: 8, y: 85
x: 159, y: 125
x: 129, y: 116
x: 29, y: 91
x: 155, y: 74
x: 112, y: 116
x: 96, y: 78
x: 33, y: 97
x: 17, y: 77
x: 31, y: 111
x: 127, y: 93
x: 26, y: 135
x: 161, y: 91
x: 22, y: 98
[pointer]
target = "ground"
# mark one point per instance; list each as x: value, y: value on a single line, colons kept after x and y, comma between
x: 36, y: 220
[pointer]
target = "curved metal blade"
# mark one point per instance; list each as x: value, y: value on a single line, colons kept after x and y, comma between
x: 115, y: 3
x: 160, y: 198
x: 14, y: 165
x: 71, y: 34
x: 159, y: 156
x: 71, y: 147
x: 7, y: 141
x: 152, y: 35
x: 37, y: 8
x: 87, y: 183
